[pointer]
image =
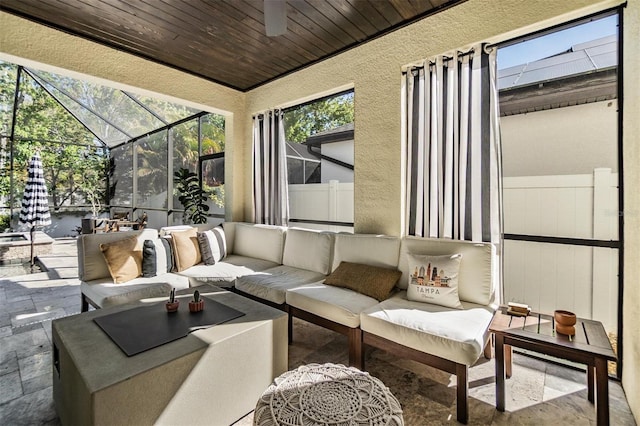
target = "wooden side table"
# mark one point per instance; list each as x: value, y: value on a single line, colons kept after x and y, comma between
x: 535, y: 332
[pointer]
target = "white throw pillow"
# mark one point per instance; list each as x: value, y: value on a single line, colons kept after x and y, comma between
x: 434, y: 279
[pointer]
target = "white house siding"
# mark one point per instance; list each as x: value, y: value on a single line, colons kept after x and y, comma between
x: 563, y: 141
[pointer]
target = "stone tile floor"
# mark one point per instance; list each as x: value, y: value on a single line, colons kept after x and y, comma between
x: 538, y: 393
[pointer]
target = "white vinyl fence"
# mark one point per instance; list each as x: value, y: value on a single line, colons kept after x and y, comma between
x: 546, y: 276
x: 331, y: 202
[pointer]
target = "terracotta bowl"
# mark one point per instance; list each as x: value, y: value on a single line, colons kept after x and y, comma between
x: 565, y: 318
x: 567, y: 330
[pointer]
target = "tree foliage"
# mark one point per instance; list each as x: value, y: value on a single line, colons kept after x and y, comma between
x: 316, y: 117
x: 74, y: 167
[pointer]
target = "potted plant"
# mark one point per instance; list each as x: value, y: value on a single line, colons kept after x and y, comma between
x: 172, y: 304
x: 192, y: 196
x: 197, y: 304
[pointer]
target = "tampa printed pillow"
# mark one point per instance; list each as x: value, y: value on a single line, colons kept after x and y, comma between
x: 434, y: 279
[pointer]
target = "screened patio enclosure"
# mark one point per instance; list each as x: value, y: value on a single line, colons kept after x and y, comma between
x: 104, y: 150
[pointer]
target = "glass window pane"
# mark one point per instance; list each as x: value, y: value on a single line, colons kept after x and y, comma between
x: 155, y: 219
x: 213, y: 183
x: 40, y: 117
x: 185, y: 150
x: 8, y: 75
x: 167, y: 111
x: 212, y: 133
x: 152, y: 171
x: 121, y: 180
x: 101, y: 106
x: 312, y: 171
x: 295, y: 171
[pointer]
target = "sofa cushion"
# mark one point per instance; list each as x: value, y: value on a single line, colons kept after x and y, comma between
x: 213, y: 246
x: 101, y: 289
x: 272, y: 284
x: 226, y: 271
x: 161, y: 256
x: 259, y: 241
x: 333, y: 303
x: 124, y: 258
x: 186, y: 250
x: 376, y: 250
x: 205, y: 248
x: 308, y: 249
x: 455, y: 334
x: 369, y: 280
x: 434, y: 279
x: 477, y: 279
x: 91, y: 263
x: 149, y: 259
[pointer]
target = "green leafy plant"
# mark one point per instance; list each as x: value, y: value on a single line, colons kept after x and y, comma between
x: 196, y: 296
x: 192, y: 196
x: 5, y: 222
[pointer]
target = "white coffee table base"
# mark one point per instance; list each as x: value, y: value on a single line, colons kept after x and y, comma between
x: 326, y: 394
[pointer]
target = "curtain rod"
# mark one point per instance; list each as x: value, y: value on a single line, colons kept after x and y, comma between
x: 446, y: 59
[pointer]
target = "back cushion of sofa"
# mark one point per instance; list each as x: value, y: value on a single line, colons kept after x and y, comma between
x: 476, y: 276
x: 229, y: 234
x: 376, y: 250
x: 260, y: 241
x: 91, y: 263
x: 307, y: 249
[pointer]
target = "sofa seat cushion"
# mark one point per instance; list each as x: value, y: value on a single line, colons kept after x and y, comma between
x: 226, y: 271
x: 336, y: 304
x: 103, y: 288
x: 273, y: 283
x: 454, y: 334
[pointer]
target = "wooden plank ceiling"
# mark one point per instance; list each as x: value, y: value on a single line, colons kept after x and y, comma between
x: 224, y: 40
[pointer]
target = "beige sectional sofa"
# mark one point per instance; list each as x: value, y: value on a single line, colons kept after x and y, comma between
x: 287, y: 267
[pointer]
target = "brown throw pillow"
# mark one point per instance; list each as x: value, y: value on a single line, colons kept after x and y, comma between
x: 124, y: 259
x: 371, y: 281
x: 186, y: 250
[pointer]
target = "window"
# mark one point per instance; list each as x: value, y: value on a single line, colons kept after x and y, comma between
x: 559, y: 126
x: 320, y: 162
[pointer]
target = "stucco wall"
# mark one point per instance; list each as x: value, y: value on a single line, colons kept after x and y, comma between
x: 26, y: 43
x: 563, y: 141
x: 374, y: 71
x: 631, y: 170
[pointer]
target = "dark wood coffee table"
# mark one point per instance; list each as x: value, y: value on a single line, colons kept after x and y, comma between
x: 589, y: 346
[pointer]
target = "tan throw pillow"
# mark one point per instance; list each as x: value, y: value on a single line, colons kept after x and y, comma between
x: 434, y: 279
x: 186, y: 250
x: 371, y: 281
x: 124, y: 259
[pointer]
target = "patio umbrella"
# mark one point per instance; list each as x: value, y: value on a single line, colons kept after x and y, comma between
x: 35, y: 202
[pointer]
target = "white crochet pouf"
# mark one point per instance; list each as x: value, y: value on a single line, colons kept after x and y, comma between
x: 327, y: 394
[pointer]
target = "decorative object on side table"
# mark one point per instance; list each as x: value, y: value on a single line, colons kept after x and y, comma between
x: 518, y: 309
x: 197, y: 304
x: 172, y: 304
x: 565, y: 322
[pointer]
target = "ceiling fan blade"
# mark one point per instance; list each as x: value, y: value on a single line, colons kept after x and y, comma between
x: 275, y: 17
